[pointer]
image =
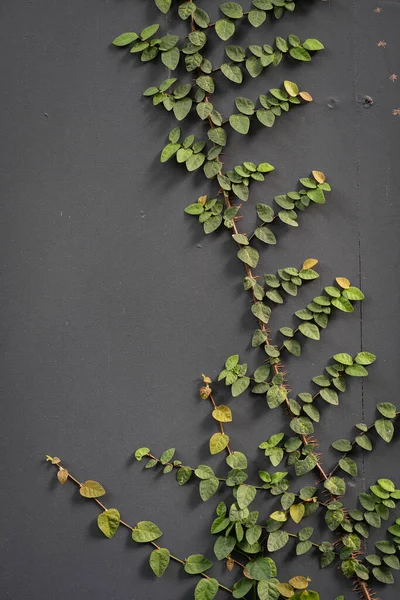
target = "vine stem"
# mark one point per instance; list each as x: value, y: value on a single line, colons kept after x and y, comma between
x: 362, y: 585
x: 275, y: 367
x: 127, y: 526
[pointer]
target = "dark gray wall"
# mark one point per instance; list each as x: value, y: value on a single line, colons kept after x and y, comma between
x: 113, y: 302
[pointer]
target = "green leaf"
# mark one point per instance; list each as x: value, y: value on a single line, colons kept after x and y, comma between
x: 349, y: 466
x: 174, y: 135
x: 329, y: 396
x: 146, y: 531
x: 353, y: 293
x: 232, y: 9
x: 240, y: 123
x: 385, y: 429
x: 275, y: 396
x: 300, y: 53
x: 249, y: 256
x: 245, y: 495
x: 364, y: 442
x: 147, y: 32
x: 151, y: 91
x: 297, y: 512
x: 139, y: 47
x: 356, y: 371
x: 212, y: 224
x: 281, y: 44
x: 259, y: 337
x: 387, y: 485
x: 267, y: 590
x: 256, y: 17
x: 266, y: 117
x: 309, y: 330
x: 265, y: 213
x: 201, y: 18
x: 262, y: 373
x: 167, y: 456
x: 168, y: 151
x: 308, y: 274
x: 239, y: 386
x: 261, y: 568
x: 365, y: 358
x: 182, y: 108
x: 374, y: 559
x: 302, y: 425
x: 91, y: 489
x: 343, y: 304
x: 373, y: 519
x: 197, y: 563
x: 305, y: 533
x: 236, y: 460
x: 206, y: 589
x: 224, y: 546
x: 217, y: 135
x: 277, y: 540
x: 342, y: 445
x: 245, y: 105
x: 343, y: 358
x: 383, y: 574
x: 225, y: 29
x: 327, y: 558
x: 335, y: 485
x: 183, y: 475
x: 291, y: 88
x: 261, y: 311
x: 241, y: 191
x: 232, y: 361
x: 235, y: 53
x: 204, y: 109
x: 305, y: 466
x: 303, y: 547
x: 265, y: 235
x: 333, y: 518
x: 206, y: 83
x: 241, y: 587
x: 265, y: 167
x: 163, y: 5
x: 386, y: 547
x: 232, y: 72
x: 293, y: 346
x: 171, y: 58
x: 387, y: 409
x: 392, y: 562
x: 204, y: 472
x: 288, y: 217
x: 168, y: 41
x: 194, y: 209
x: 253, y: 534
x: 219, y: 442
x: 312, y: 44
x: 125, y: 38
x: 273, y: 295
x: 141, y: 452
x: 186, y: 9
x: 108, y: 522
x: 208, y: 487
x: 159, y: 561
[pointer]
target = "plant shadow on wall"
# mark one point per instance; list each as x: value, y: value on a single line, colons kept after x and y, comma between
x: 247, y: 540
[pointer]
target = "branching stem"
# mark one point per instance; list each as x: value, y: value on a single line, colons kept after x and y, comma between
x: 127, y: 526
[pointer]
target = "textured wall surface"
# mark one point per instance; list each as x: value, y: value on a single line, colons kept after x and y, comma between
x: 113, y: 302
